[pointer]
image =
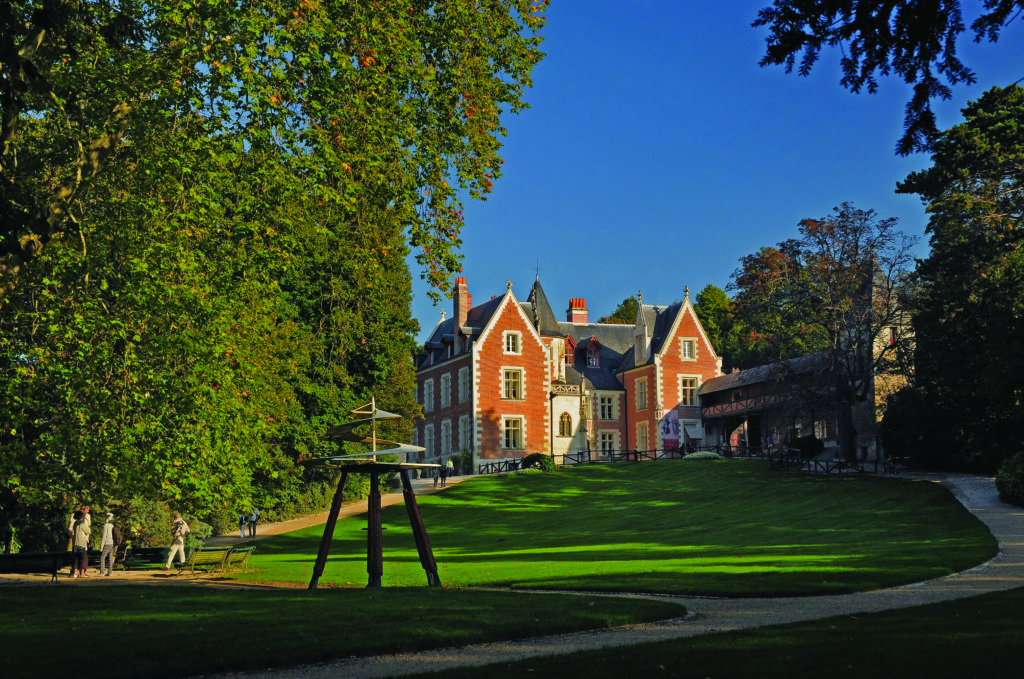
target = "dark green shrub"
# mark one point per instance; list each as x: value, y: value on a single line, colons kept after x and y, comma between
x: 809, y: 447
x: 1010, y: 480
x: 540, y: 461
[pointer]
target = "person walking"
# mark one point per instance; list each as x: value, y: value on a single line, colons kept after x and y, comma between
x: 444, y: 474
x: 108, y: 545
x: 450, y: 468
x: 80, y: 556
x: 253, y: 519
x: 241, y: 525
x: 179, y: 529
x: 434, y: 472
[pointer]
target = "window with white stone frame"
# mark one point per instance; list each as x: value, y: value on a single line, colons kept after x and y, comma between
x: 607, y: 407
x: 446, y: 390
x: 463, y: 385
x: 512, y: 342
x: 512, y: 384
x: 428, y: 441
x: 641, y: 393
x: 428, y: 396
x: 512, y: 433
x: 465, y: 433
x: 642, y: 439
x: 688, y: 385
x: 688, y: 348
x: 608, y: 441
x: 446, y: 437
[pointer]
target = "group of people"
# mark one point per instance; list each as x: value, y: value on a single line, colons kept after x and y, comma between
x: 79, y: 532
x: 248, y: 519
x: 442, y: 474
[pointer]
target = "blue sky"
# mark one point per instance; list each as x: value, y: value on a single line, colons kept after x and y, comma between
x: 657, y: 152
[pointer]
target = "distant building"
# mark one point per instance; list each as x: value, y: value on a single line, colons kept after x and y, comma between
x: 506, y: 378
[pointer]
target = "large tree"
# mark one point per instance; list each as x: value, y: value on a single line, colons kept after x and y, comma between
x: 914, y: 40
x: 835, y: 290
x: 206, y: 213
x: 970, y: 320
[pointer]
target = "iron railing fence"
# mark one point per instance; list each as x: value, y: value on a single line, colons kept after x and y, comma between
x: 780, y: 458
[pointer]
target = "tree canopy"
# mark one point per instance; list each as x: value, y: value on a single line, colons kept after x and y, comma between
x: 624, y: 314
x: 913, y: 40
x: 206, y: 213
x: 834, y: 290
x: 970, y: 314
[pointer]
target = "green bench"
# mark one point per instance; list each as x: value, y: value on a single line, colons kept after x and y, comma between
x: 210, y: 558
x: 144, y: 558
x: 26, y: 563
x: 239, y: 557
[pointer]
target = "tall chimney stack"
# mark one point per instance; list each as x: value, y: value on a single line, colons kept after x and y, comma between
x: 462, y: 301
x: 577, y: 312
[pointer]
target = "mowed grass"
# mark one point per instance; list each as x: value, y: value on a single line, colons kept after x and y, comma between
x: 721, y: 528
x: 981, y: 636
x: 109, y: 631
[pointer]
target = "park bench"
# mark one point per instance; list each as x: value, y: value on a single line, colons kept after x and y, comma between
x: 207, y: 557
x: 238, y: 557
x: 39, y: 562
x: 144, y: 558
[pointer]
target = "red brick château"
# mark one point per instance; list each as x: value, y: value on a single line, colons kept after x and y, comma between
x: 506, y: 378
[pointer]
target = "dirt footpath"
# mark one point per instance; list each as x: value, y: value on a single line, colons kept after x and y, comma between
x: 161, y: 577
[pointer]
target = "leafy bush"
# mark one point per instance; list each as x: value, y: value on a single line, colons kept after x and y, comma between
x: 148, y: 523
x: 540, y: 461
x: 706, y: 455
x: 464, y: 462
x: 1010, y: 480
x: 808, y: 447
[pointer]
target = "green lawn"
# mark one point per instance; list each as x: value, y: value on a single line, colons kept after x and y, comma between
x: 977, y: 637
x: 107, y: 632
x: 726, y: 528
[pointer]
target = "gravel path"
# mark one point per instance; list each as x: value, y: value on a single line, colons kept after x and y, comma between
x: 1006, y: 571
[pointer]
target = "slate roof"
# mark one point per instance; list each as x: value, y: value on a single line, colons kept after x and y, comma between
x: 476, y: 320
x: 538, y: 310
x: 765, y: 373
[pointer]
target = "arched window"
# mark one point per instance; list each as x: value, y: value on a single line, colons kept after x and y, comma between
x: 565, y: 425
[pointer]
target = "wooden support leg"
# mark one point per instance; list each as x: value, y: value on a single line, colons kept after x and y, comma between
x: 419, y: 532
x: 325, y: 542
x: 374, y: 536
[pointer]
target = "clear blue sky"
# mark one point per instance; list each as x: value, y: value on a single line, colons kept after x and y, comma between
x: 657, y: 153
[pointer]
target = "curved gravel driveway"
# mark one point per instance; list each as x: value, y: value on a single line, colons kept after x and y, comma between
x: 978, y: 494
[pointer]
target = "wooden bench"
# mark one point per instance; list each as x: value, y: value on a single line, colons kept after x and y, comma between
x: 238, y: 557
x: 35, y: 562
x: 207, y: 557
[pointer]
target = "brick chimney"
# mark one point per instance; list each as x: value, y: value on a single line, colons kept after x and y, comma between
x: 577, y: 312
x: 463, y: 302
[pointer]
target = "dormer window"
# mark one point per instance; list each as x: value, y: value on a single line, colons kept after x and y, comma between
x: 593, y: 357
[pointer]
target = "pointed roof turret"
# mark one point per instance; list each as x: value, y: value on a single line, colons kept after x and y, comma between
x: 541, y: 313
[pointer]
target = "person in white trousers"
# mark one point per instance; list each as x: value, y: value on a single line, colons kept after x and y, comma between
x: 179, y: 529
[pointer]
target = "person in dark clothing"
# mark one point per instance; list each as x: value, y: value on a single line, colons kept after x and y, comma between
x: 253, y: 519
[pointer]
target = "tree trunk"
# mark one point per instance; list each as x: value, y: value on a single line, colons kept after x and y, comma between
x: 847, y: 434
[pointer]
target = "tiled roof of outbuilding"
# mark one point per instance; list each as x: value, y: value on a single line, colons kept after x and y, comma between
x: 765, y: 373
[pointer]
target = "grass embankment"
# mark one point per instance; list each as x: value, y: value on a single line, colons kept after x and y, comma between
x: 725, y: 528
x: 976, y: 637
x: 109, y: 632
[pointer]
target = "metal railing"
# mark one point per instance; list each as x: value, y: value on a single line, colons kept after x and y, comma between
x: 780, y: 458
